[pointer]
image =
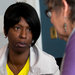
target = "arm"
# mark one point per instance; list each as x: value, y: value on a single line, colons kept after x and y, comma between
x: 69, y: 61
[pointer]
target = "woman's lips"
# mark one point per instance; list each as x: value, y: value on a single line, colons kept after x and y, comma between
x: 21, y: 44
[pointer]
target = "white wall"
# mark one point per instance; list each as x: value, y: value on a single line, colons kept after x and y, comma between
x: 3, y: 6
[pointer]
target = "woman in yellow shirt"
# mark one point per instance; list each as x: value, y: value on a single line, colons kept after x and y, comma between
x: 22, y: 27
x: 21, y: 56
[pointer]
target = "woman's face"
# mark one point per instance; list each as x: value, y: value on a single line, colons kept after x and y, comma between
x: 57, y: 19
x: 20, y: 37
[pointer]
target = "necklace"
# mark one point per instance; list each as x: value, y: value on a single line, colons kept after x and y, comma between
x: 15, y: 69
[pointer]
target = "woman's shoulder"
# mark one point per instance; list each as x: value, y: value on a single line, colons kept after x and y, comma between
x: 50, y: 59
x: 44, y: 54
x: 47, y: 62
x: 2, y: 50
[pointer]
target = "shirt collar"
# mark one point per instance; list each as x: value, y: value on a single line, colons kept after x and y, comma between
x: 71, y: 35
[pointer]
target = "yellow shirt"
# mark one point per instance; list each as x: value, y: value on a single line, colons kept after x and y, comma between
x: 24, y: 71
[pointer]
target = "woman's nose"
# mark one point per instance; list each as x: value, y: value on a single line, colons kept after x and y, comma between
x: 23, y: 34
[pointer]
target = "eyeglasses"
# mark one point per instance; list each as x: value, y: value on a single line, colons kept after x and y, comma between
x: 48, y: 13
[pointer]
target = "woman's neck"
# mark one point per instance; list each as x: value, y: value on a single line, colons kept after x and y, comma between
x: 18, y: 59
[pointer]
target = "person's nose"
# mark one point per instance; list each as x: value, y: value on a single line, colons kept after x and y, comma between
x: 23, y: 34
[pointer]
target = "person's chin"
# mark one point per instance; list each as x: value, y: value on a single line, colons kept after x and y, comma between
x: 19, y: 50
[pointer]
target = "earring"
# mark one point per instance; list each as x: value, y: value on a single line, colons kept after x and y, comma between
x: 32, y: 41
x: 65, y: 26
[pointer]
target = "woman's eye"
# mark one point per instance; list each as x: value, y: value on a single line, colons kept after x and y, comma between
x: 17, y: 28
x: 29, y: 29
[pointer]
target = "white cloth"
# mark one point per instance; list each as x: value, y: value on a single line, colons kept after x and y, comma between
x: 41, y: 63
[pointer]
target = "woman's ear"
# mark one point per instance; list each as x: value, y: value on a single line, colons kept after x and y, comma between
x: 65, y: 7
